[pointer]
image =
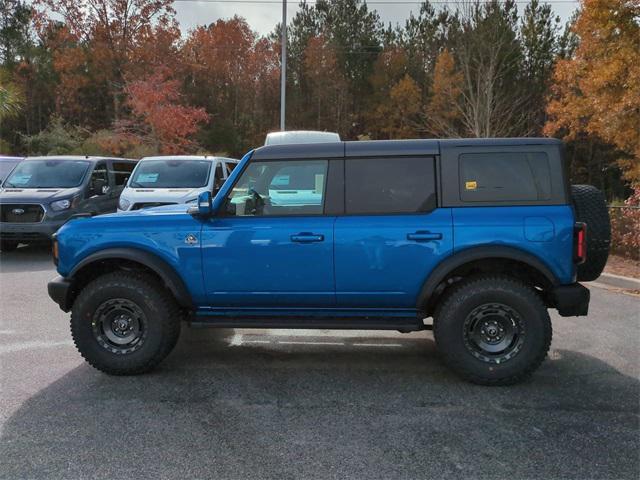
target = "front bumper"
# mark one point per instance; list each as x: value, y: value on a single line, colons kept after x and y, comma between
x: 59, y: 289
x: 571, y: 300
x: 30, y: 232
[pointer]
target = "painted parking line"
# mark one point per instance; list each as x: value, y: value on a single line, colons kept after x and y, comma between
x: 17, y: 347
x: 376, y: 345
x: 284, y: 342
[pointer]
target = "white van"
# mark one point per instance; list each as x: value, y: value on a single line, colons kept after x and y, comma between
x: 291, y: 137
x: 170, y: 180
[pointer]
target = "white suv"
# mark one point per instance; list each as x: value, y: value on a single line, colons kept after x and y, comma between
x: 170, y: 180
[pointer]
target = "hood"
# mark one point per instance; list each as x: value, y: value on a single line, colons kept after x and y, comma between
x: 179, y: 195
x: 35, y: 195
x: 178, y: 209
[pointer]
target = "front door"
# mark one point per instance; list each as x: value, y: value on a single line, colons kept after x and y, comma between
x: 98, y: 198
x: 392, y: 235
x: 272, y: 245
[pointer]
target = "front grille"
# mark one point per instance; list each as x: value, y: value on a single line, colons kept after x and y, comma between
x: 140, y: 206
x: 21, y: 213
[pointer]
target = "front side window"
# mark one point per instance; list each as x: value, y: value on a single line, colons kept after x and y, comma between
x: 504, y: 177
x: 389, y: 185
x: 280, y: 188
x: 48, y: 174
x: 171, y: 173
x: 219, y: 178
x: 230, y: 166
x: 99, y: 182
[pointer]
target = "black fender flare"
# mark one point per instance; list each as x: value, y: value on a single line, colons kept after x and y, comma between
x: 479, y: 253
x: 166, y: 272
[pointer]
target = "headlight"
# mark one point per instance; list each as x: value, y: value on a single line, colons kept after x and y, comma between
x: 61, y: 205
x: 123, y: 204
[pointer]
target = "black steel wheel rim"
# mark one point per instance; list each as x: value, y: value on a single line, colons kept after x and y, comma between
x: 494, y: 333
x: 119, y: 326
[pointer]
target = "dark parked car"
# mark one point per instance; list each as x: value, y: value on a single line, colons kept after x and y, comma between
x: 482, y: 235
x: 6, y: 165
x: 42, y: 193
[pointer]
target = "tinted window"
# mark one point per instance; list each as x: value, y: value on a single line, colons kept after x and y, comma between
x: 390, y: 185
x: 99, y: 182
x: 218, y: 180
x: 171, y: 174
x: 280, y: 188
x: 230, y: 166
x: 48, y: 174
x: 487, y: 177
x: 122, y: 171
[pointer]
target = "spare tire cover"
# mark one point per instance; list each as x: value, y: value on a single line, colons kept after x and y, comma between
x: 590, y: 207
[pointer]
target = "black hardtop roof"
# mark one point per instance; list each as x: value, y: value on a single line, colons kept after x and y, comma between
x: 372, y: 148
x: 88, y: 158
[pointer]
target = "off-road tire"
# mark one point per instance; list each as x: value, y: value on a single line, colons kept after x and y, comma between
x: 590, y: 207
x: 469, y: 295
x: 162, y: 314
x: 8, y: 245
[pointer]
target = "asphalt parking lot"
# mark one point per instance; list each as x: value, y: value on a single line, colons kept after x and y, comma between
x: 308, y: 404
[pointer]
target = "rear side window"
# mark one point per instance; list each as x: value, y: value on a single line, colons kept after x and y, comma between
x: 504, y: 177
x: 230, y: 166
x: 389, y: 185
x: 122, y: 171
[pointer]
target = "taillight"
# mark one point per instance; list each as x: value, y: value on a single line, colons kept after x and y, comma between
x: 580, y: 236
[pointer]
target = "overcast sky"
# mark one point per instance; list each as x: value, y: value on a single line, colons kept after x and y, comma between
x: 263, y: 18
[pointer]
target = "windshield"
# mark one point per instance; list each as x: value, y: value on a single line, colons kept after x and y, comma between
x: 5, y: 168
x: 48, y: 174
x: 171, y: 174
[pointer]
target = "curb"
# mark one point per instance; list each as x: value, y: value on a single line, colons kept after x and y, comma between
x: 619, y: 281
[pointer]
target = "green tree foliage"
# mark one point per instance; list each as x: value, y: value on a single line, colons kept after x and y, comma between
x: 540, y: 46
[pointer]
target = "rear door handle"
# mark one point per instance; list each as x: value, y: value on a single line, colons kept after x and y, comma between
x: 424, y: 236
x: 307, y: 237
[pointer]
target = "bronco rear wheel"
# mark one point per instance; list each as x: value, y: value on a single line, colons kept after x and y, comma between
x: 492, y: 330
x: 125, y: 323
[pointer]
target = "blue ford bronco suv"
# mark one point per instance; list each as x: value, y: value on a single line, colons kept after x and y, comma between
x: 482, y: 235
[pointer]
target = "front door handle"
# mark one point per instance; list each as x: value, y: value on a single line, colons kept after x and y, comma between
x: 307, y: 237
x: 424, y: 236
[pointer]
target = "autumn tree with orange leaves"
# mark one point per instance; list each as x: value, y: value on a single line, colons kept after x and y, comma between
x: 158, y: 117
x: 327, y: 84
x: 234, y: 75
x: 98, y: 44
x: 597, y: 90
x: 443, y: 115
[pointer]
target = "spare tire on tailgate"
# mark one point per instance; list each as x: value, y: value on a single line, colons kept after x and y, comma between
x: 591, y: 208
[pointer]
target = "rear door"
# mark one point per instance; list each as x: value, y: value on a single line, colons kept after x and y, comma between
x: 98, y: 198
x: 392, y: 234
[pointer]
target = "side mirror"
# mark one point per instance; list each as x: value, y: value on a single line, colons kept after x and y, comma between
x: 204, y: 207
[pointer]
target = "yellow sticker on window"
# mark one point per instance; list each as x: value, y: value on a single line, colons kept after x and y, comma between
x: 471, y: 185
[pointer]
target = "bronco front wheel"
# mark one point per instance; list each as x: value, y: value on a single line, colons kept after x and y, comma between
x: 125, y: 323
x: 493, y: 330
